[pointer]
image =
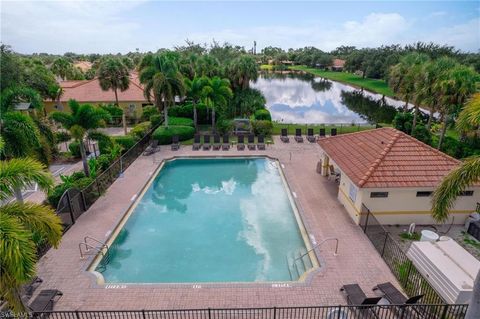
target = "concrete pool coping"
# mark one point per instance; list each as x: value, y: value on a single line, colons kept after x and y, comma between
x: 304, y: 278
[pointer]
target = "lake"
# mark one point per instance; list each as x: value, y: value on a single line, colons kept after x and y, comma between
x: 303, y: 98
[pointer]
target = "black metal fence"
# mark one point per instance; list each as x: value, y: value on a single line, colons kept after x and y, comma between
x: 317, y: 312
x: 402, y: 267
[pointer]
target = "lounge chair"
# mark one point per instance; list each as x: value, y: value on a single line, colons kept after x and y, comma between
x: 251, y: 142
x: 261, y: 142
x: 196, y: 142
x: 395, y: 296
x: 45, y: 300
x: 298, y: 135
x: 333, y: 132
x: 226, y: 142
x: 284, y: 136
x: 29, y: 289
x: 241, y: 143
x: 310, y: 137
x: 175, y: 143
x: 152, y: 148
x: 322, y: 132
x: 356, y: 297
x: 216, y: 142
x: 206, y: 142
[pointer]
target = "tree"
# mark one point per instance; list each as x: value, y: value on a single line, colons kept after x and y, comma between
x: 10, y: 66
x: 23, y: 226
x: 216, y: 94
x: 242, y: 70
x: 37, y: 76
x: 469, y: 117
x: 114, y: 75
x: 84, y: 119
x: 194, y: 90
x: 61, y: 67
x: 161, y: 77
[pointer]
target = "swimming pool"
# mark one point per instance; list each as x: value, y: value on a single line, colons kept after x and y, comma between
x: 210, y: 220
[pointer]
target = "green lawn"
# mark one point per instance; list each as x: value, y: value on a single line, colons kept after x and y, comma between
x: 376, y: 86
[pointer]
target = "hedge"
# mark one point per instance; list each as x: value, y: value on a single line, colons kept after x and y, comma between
x: 74, y: 149
x: 262, y: 115
x: 164, y: 134
x: 126, y: 141
x: 140, y: 130
x: 180, y: 121
x: 262, y: 127
x: 156, y: 120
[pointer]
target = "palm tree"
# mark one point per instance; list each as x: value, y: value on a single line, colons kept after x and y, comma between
x: 454, y: 88
x: 194, y: 90
x: 113, y: 74
x: 159, y: 73
x: 23, y: 226
x: 242, y: 70
x: 84, y: 119
x: 216, y: 95
x: 61, y: 67
x: 457, y: 181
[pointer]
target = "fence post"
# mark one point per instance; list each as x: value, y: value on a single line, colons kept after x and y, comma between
x: 209, y: 313
x: 143, y: 313
x: 274, y: 312
x: 77, y: 315
x: 339, y: 311
x: 70, y: 208
x: 84, y: 201
x: 98, y: 188
x: 384, y: 244
x: 366, y: 222
x: 444, y: 313
x: 405, y: 284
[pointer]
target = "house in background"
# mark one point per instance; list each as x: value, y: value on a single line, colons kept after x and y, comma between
x: 83, y: 65
x: 337, y: 65
x: 89, y: 91
x: 391, y: 174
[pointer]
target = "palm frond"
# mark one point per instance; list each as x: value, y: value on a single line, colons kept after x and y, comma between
x: 470, y: 115
x: 63, y: 118
x: 18, y: 173
x: 455, y: 182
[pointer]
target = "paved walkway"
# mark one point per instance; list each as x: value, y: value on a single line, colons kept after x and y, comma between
x: 357, y: 261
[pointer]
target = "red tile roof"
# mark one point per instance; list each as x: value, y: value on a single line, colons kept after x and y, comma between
x: 386, y: 157
x: 90, y: 91
x: 338, y: 63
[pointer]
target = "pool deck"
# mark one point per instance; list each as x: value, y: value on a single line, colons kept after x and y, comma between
x: 357, y: 260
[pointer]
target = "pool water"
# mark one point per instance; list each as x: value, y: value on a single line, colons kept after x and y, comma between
x: 208, y: 220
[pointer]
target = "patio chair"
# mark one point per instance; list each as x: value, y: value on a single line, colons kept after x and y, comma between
x: 196, y: 142
x: 261, y: 142
x: 226, y: 142
x: 175, y: 143
x: 216, y: 142
x: 45, y: 300
x: 241, y: 143
x: 284, y: 136
x: 395, y: 296
x: 310, y: 136
x: 333, y: 131
x: 334, y: 174
x: 356, y: 297
x: 322, y: 132
x: 251, y: 142
x: 206, y: 142
x: 29, y: 289
x: 152, y: 148
x: 298, y: 135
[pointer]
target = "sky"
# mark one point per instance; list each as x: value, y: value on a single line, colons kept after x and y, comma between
x: 122, y: 26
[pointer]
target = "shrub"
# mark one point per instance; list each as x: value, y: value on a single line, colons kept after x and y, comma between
x: 262, y: 127
x: 422, y: 133
x: 62, y: 136
x: 262, y: 115
x: 74, y: 149
x: 187, y: 111
x: 164, y: 135
x: 224, y: 126
x: 148, y: 111
x: 113, y: 110
x: 103, y: 161
x: 140, y: 130
x: 403, y: 121
x: 180, y: 121
x: 156, y: 120
x: 126, y: 141
x: 105, y: 142
x: 77, y: 180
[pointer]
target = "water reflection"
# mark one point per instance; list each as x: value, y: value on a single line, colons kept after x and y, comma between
x: 302, y: 98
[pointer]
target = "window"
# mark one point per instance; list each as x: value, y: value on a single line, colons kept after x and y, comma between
x: 378, y: 194
x: 424, y: 194
x: 466, y: 193
x: 352, y: 192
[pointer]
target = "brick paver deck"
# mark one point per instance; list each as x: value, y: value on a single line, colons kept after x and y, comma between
x: 324, y: 216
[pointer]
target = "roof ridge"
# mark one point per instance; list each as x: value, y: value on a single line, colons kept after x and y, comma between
x: 358, y: 132
x: 377, y: 161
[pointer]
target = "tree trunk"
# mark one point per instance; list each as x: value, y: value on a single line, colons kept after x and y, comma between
x: 213, y: 119
x: 473, y: 311
x: 430, y: 118
x: 165, y: 112
x: 124, y: 117
x: 195, y: 116
x: 86, y: 169
x: 405, y: 107
x: 444, y: 130
x: 415, y: 112
x: 18, y: 194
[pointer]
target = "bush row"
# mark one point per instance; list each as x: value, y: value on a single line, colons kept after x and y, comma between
x: 164, y: 134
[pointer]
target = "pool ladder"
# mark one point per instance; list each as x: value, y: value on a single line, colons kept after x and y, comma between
x: 98, y: 247
x: 292, y: 265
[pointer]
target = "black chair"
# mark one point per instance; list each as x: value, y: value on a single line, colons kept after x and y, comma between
x: 298, y: 135
x: 29, y: 289
x: 216, y: 142
x: 45, y: 300
x: 206, y: 142
x: 284, y: 136
x: 396, y: 297
x: 322, y: 132
x: 310, y: 136
x: 261, y: 142
x: 241, y: 143
x: 175, y: 143
x: 226, y: 142
x: 356, y: 297
x: 196, y: 142
x: 333, y: 132
x: 251, y: 142
x: 152, y: 148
